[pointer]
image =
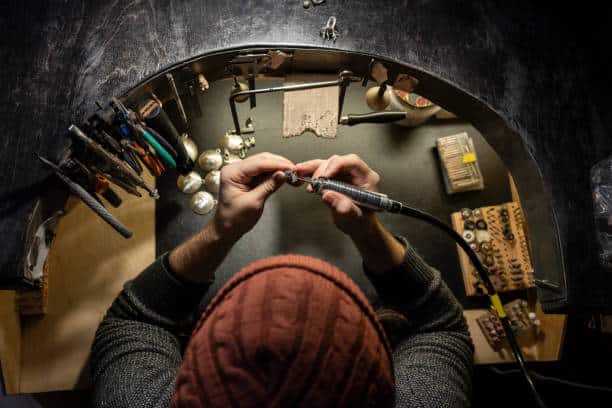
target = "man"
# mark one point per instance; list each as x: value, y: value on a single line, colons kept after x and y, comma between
x: 286, y: 331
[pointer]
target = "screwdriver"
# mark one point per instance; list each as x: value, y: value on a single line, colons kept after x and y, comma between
x: 364, y: 198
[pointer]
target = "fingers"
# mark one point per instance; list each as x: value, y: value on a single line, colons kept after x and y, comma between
x: 350, y: 163
x: 262, y: 163
x: 268, y: 186
x: 341, y: 205
x: 307, y: 168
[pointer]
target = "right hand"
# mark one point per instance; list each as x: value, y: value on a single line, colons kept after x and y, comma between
x: 244, y: 188
x: 348, y: 216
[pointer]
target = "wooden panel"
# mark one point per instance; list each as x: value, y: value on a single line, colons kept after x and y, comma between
x: 88, y: 265
x: 10, y: 342
x: 543, y: 345
x: 505, y: 255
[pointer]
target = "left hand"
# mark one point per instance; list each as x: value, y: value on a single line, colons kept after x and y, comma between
x: 244, y: 188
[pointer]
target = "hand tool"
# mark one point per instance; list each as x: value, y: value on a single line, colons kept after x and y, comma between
x: 114, y: 165
x: 89, y: 200
x: 97, y: 183
x: 162, y: 141
x: 127, y: 187
x: 142, y: 136
x: 110, y: 141
x: 380, y: 202
x: 364, y: 198
x: 152, y: 113
x: 152, y: 163
x: 376, y: 117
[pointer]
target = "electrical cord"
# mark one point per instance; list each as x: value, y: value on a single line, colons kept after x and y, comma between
x: 561, y: 381
x: 493, y: 296
x: 380, y: 202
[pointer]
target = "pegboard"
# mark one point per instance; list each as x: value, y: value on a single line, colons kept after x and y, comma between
x: 497, y: 234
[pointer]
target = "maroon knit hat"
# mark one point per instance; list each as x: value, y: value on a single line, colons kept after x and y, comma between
x: 287, y: 331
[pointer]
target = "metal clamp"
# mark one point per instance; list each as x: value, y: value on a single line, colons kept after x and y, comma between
x: 329, y: 32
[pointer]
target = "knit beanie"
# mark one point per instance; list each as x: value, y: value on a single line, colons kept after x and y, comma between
x: 287, y: 331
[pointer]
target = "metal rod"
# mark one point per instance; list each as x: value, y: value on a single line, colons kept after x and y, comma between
x: 177, y: 97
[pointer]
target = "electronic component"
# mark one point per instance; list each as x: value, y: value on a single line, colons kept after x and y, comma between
x: 497, y: 233
x: 521, y: 318
x: 459, y: 163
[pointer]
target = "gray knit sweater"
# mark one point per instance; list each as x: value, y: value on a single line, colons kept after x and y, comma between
x: 136, y: 353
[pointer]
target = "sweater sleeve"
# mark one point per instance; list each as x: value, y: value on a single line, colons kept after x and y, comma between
x: 136, y: 353
x: 433, y: 360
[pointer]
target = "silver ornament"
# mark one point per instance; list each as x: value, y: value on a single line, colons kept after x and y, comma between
x: 210, y: 160
x: 202, y: 202
x: 233, y: 144
x: 190, y: 146
x: 189, y: 183
x: 212, y: 181
x: 229, y: 158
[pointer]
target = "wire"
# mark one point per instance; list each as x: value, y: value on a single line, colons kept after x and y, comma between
x: 561, y: 381
x: 516, y: 350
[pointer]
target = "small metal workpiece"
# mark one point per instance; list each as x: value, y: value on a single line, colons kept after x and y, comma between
x: 212, y: 181
x: 329, y: 32
x: 292, y: 178
x: 190, y: 183
x: 211, y: 160
x: 466, y: 213
x: 202, y: 202
x: 190, y: 146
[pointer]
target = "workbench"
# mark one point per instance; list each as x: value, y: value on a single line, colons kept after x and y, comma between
x: 89, y: 262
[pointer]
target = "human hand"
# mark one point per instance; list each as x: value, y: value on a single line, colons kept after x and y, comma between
x: 348, y: 216
x: 244, y: 188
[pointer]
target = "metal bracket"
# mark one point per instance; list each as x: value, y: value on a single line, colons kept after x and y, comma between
x: 39, y: 249
x: 343, y: 81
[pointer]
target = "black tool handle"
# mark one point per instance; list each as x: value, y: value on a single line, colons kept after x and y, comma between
x: 155, y: 117
x: 376, y: 117
x: 112, y: 197
x: 368, y: 199
x: 92, y: 203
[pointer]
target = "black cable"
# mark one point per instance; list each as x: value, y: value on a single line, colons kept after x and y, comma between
x: 518, y: 355
x: 541, y: 377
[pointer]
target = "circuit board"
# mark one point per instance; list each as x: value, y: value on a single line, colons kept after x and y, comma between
x: 521, y: 318
x: 497, y: 235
